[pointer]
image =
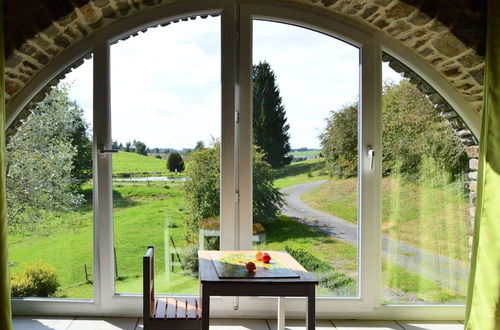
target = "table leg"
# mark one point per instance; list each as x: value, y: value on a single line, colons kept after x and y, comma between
x: 311, y: 309
x: 281, y: 313
x: 205, y: 308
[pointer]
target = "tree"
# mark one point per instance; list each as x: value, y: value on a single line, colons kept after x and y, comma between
x: 270, y: 128
x: 128, y: 146
x: 47, y: 159
x: 340, y: 141
x: 114, y: 145
x: 202, y: 188
x: 412, y: 131
x: 175, y: 163
x: 140, y: 148
x: 199, y: 145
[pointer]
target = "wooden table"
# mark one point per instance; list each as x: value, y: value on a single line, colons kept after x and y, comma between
x: 212, y: 285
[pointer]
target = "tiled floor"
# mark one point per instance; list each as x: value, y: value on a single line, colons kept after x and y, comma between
x: 88, y: 323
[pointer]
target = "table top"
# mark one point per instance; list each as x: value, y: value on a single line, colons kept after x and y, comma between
x: 208, y: 272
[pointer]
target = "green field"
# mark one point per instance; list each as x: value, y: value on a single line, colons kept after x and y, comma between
x: 136, y: 165
x: 149, y: 215
x: 301, y: 172
x: 306, y: 153
x: 432, y: 218
x: 153, y: 215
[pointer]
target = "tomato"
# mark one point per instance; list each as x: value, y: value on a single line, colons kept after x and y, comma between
x: 266, y: 258
x: 250, y: 266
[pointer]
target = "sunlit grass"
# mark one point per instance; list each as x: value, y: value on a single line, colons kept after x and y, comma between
x: 131, y: 162
x: 301, y: 172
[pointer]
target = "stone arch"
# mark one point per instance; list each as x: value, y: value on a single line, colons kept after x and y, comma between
x: 438, y: 31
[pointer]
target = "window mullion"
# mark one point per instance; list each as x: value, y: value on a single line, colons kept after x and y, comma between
x: 245, y: 129
x: 102, y: 195
x: 228, y: 189
x: 370, y: 174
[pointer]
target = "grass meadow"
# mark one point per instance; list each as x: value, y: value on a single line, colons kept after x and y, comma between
x: 153, y: 214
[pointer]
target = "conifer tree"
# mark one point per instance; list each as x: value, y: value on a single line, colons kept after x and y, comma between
x: 270, y: 127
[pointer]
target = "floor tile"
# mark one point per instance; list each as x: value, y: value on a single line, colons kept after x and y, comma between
x: 41, y: 323
x: 431, y: 325
x: 301, y: 325
x: 107, y: 323
x: 366, y: 324
x: 238, y: 324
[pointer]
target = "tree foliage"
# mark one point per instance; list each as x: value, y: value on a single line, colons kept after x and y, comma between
x: 47, y: 159
x: 140, y: 148
x: 340, y: 141
x: 202, y: 188
x: 270, y: 128
x: 175, y: 162
x: 412, y: 131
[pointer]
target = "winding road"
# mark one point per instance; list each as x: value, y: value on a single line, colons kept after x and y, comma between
x: 446, y: 272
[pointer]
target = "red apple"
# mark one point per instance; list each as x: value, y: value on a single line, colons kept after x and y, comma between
x: 250, y: 267
x: 266, y: 258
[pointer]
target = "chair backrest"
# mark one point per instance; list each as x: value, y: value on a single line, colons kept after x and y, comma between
x: 148, y: 284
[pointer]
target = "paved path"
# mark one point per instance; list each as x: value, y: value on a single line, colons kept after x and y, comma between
x: 446, y: 272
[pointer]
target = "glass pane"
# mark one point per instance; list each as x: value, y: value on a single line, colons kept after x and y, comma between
x: 49, y: 193
x: 166, y: 124
x: 305, y: 136
x: 425, y: 202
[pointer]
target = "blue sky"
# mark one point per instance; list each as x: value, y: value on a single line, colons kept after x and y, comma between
x: 166, y: 82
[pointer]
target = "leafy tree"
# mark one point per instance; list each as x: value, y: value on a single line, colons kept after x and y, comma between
x: 270, y: 128
x: 202, y: 189
x: 140, y: 148
x: 114, y: 145
x: 340, y: 141
x: 412, y: 131
x: 199, y: 145
x: 128, y: 146
x: 175, y: 162
x: 47, y: 158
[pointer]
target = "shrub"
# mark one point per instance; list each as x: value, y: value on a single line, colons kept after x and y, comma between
x: 202, y: 188
x: 190, y: 265
x: 327, y: 276
x: 38, y: 280
x: 175, y: 162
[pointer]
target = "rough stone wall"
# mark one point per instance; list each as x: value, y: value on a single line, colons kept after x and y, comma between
x: 411, y: 22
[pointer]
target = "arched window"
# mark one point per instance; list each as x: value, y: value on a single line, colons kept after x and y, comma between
x: 222, y: 118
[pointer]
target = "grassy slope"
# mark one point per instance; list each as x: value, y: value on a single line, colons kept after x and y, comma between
x: 130, y: 162
x: 301, y: 172
x: 437, y: 223
x: 308, y: 153
x: 141, y: 213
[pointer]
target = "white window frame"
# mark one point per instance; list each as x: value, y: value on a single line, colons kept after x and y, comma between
x: 236, y: 217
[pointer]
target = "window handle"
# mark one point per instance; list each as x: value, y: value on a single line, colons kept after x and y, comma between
x: 106, y: 151
x: 371, y: 156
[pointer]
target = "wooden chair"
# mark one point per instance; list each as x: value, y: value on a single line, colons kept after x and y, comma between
x: 166, y: 313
